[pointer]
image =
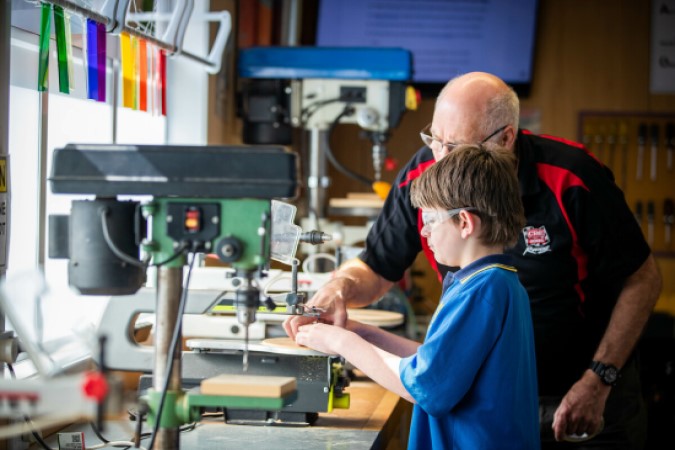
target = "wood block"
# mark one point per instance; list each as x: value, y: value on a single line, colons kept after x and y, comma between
x: 364, y: 196
x: 356, y: 202
x: 248, y: 386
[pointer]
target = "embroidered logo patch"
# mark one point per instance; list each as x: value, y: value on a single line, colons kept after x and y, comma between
x: 536, y: 240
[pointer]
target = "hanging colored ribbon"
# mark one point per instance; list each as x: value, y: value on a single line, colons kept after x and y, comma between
x: 43, y: 55
x: 92, y: 60
x: 152, y: 86
x: 69, y: 51
x: 127, y: 71
x: 101, y: 65
x: 134, y: 70
x: 61, y: 49
x: 162, y: 80
x: 85, y: 54
x: 143, y: 75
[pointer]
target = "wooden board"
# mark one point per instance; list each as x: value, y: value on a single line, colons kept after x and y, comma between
x: 283, y: 342
x: 364, y: 195
x: 248, y: 386
x: 356, y: 202
x: 376, y: 317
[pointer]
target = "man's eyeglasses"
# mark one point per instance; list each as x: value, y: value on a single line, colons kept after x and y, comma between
x: 432, y: 218
x: 436, y: 144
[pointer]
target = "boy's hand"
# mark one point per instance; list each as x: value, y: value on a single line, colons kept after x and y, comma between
x: 331, y: 300
x: 320, y: 337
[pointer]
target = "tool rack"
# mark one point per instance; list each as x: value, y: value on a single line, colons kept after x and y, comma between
x: 639, y: 148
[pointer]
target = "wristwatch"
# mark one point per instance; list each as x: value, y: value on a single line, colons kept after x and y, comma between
x: 608, y: 373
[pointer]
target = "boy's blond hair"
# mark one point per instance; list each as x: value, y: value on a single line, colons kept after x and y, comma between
x: 480, y: 177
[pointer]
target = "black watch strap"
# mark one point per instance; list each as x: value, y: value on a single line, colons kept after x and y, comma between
x: 608, y: 373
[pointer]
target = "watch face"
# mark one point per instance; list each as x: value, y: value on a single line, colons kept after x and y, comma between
x: 610, y: 375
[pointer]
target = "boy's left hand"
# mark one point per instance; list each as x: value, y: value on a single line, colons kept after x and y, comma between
x: 321, y: 337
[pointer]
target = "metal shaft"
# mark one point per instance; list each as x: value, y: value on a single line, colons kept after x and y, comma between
x: 5, y: 51
x: 318, y: 181
x: 169, y: 290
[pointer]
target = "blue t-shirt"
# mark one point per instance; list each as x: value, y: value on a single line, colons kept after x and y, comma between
x: 474, y: 379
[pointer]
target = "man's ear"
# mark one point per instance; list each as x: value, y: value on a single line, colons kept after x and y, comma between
x: 467, y: 223
x: 509, y: 136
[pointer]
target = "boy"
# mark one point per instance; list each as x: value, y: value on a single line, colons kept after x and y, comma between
x: 473, y: 380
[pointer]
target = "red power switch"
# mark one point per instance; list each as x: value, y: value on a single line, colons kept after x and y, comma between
x: 193, y: 220
x: 95, y: 386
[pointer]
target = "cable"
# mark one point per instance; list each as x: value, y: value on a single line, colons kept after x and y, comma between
x: 181, y: 249
x: 311, y: 109
x: 98, y: 433
x: 347, y: 111
x: 312, y: 257
x: 111, y: 245
x: 144, y: 264
x: 172, y: 351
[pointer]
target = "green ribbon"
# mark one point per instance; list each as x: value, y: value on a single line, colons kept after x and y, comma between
x: 62, y: 49
x: 43, y: 55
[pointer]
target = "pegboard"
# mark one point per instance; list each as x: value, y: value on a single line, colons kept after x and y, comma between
x: 639, y: 148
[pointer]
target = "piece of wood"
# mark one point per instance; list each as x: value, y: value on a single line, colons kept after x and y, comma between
x: 248, y: 386
x: 364, y: 196
x: 356, y: 202
x: 376, y: 317
x: 283, y: 342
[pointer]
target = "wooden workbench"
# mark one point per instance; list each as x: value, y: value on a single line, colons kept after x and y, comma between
x: 376, y: 419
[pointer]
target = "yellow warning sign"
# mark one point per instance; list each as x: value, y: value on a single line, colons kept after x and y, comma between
x: 3, y: 175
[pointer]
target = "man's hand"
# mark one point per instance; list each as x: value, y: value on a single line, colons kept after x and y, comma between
x: 582, y: 408
x: 355, y: 284
x: 331, y: 300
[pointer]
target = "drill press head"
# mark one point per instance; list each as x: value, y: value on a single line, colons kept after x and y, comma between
x: 309, y: 87
x: 204, y: 199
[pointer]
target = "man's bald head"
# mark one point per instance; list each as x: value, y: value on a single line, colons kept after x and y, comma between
x: 477, y: 104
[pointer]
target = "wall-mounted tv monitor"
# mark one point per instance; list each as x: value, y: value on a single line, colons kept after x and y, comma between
x: 446, y: 37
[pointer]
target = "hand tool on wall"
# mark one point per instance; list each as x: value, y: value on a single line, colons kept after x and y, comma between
x: 642, y: 140
x: 650, y: 222
x: 598, y: 141
x: 611, y: 145
x: 668, y: 218
x: 623, y: 143
x: 638, y: 212
x: 670, y: 144
x: 654, y: 134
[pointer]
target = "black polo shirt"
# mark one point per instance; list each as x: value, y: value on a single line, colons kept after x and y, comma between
x: 579, y: 245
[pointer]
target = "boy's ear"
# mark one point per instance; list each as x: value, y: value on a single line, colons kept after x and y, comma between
x: 467, y: 223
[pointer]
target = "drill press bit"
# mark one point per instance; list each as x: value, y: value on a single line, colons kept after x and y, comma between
x: 245, y: 361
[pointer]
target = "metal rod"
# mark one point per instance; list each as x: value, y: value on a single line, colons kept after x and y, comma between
x: 5, y: 51
x: 169, y: 290
x: 43, y: 145
x: 89, y: 14
x: 318, y: 181
x: 113, y: 101
x: 290, y: 24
